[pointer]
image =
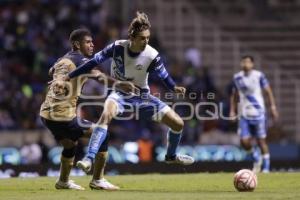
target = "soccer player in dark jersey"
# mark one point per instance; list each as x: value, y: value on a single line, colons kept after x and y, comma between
x: 58, y: 111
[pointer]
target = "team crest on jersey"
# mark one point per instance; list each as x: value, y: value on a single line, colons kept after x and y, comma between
x: 139, y: 67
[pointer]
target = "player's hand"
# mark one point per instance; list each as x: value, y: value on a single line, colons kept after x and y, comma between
x: 97, y: 73
x: 66, y: 78
x: 274, y: 113
x: 127, y: 87
x: 180, y: 90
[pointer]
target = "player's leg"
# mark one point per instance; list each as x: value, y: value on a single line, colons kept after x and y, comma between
x: 98, y: 181
x: 262, y: 143
x: 66, y: 164
x: 246, y: 143
x: 99, y: 134
x: 67, y: 158
x: 175, y: 123
x: 265, y: 154
x: 60, y: 131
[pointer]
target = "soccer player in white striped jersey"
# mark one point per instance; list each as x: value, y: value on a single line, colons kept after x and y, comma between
x: 133, y: 60
x: 249, y: 85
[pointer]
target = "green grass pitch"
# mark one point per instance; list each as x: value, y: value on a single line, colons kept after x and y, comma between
x: 155, y: 186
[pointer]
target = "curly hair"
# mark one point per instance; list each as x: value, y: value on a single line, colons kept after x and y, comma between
x: 138, y: 24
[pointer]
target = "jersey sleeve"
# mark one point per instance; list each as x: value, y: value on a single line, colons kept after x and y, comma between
x: 263, y: 81
x: 62, y: 68
x: 157, y: 67
x: 98, y: 58
x: 106, y: 53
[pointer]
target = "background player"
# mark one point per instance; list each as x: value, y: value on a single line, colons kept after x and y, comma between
x: 58, y: 111
x: 249, y: 85
x: 133, y: 60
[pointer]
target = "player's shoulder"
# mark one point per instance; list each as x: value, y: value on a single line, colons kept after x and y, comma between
x: 258, y: 73
x: 122, y: 43
x: 150, y: 52
x: 62, y: 65
x: 238, y: 74
x: 75, y: 57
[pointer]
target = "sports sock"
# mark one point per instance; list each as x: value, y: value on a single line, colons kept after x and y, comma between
x: 66, y: 165
x: 97, y: 138
x: 173, y: 141
x: 256, y: 154
x: 266, y: 162
x: 99, y: 165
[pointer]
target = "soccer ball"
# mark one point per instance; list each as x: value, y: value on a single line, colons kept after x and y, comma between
x: 245, y: 180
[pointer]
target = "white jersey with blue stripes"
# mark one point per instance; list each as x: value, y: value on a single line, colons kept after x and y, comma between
x: 130, y: 66
x: 250, y: 88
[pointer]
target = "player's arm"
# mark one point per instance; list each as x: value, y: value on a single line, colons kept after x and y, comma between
x: 271, y: 99
x: 233, y: 102
x: 268, y: 91
x: 157, y: 67
x: 59, y: 70
x: 98, y: 58
x: 125, y: 86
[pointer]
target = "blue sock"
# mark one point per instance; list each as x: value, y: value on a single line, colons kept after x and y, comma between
x: 256, y: 154
x: 173, y: 141
x: 97, y: 138
x: 266, y: 162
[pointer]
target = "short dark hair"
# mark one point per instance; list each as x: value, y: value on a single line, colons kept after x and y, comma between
x: 248, y: 56
x: 79, y: 34
x: 138, y: 24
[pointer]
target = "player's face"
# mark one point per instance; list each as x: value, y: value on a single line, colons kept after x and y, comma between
x: 141, y: 40
x: 247, y: 64
x: 87, y: 46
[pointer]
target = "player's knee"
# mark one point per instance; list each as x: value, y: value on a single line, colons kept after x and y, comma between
x: 106, y: 117
x: 246, y: 144
x: 178, y: 125
x: 69, y: 153
x: 68, y: 143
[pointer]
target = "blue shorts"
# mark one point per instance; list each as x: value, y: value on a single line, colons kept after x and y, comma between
x: 252, y: 128
x: 145, y: 106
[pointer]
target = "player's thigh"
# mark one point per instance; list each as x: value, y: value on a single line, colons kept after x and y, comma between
x: 173, y: 120
x: 244, y: 129
x: 78, y: 128
x: 68, y: 143
x: 259, y: 130
x: 69, y: 130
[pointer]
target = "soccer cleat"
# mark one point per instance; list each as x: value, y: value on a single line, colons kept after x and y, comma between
x: 85, y: 165
x: 103, y: 184
x: 68, y: 185
x: 265, y: 171
x: 257, y: 166
x: 180, y: 159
